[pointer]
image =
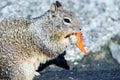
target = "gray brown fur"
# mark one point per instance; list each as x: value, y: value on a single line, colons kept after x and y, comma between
x: 24, y: 44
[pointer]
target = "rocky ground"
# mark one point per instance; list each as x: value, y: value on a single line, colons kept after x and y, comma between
x: 101, y: 37
x: 81, y: 75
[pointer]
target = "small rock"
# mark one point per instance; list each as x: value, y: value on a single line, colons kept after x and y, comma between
x: 115, y: 50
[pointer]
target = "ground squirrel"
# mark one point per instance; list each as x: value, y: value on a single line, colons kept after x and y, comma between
x: 25, y: 43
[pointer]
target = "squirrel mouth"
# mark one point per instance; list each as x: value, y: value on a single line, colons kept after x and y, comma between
x: 79, y: 43
x: 68, y: 35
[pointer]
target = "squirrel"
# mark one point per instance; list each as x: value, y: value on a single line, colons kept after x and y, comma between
x: 26, y: 43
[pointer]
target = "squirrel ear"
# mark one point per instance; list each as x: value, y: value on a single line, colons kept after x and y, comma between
x: 55, y: 6
x: 58, y: 4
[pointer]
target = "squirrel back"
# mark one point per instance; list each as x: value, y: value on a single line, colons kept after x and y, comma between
x: 26, y: 43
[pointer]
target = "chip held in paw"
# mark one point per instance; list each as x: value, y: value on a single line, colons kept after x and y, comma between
x: 79, y: 43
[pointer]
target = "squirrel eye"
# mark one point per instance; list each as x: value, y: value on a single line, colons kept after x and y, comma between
x: 67, y: 20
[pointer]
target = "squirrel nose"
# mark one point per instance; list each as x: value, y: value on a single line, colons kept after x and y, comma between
x: 80, y: 29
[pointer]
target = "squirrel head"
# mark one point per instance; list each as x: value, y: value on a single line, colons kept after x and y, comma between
x: 51, y: 28
x: 63, y: 18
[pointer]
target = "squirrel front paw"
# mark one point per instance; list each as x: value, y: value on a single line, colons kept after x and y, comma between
x: 37, y: 74
x: 73, y: 39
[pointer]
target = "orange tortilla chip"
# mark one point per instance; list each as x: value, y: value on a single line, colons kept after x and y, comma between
x: 79, y: 43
